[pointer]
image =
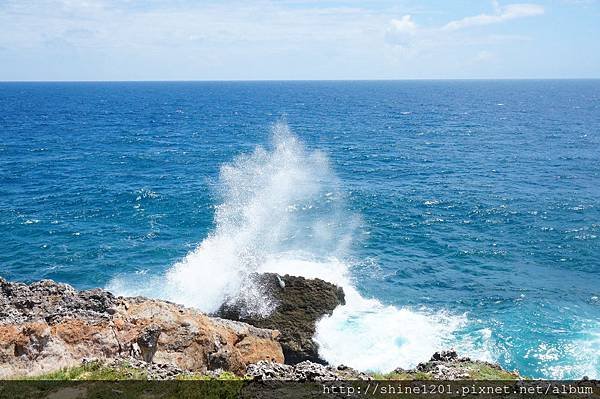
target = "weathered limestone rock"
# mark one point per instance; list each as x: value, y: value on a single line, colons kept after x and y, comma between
x: 46, y: 326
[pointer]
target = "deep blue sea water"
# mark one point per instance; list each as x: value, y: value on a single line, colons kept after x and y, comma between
x: 472, y: 207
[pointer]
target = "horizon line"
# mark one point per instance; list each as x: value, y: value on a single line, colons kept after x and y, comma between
x: 284, y: 80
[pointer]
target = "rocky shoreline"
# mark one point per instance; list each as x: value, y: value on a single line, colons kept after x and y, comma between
x: 48, y: 327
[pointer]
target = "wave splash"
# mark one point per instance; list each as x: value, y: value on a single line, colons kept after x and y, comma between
x: 279, y: 201
x: 282, y: 210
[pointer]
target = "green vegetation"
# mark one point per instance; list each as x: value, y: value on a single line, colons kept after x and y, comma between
x: 93, y: 371
x: 482, y: 371
x: 475, y: 371
x: 96, y: 371
x: 97, y: 380
x: 224, y: 376
x: 402, y: 376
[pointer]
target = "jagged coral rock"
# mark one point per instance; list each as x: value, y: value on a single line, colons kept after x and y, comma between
x: 46, y: 326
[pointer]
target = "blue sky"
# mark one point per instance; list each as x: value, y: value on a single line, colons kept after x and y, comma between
x: 293, y: 39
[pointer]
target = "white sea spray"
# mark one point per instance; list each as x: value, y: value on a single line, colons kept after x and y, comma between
x: 281, y: 210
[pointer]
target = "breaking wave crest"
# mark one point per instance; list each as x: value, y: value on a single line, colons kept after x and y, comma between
x: 281, y: 210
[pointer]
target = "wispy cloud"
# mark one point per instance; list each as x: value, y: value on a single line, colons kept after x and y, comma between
x: 405, y: 32
x: 281, y: 39
x: 501, y: 14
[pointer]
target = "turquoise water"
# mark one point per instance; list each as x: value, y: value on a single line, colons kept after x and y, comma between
x: 468, y: 210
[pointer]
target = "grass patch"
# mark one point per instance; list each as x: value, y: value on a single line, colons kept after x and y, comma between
x: 224, y: 376
x: 93, y: 371
x: 402, y: 376
x: 99, y: 381
x: 479, y: 371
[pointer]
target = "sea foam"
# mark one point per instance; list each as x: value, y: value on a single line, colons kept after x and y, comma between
x: 281, y: 210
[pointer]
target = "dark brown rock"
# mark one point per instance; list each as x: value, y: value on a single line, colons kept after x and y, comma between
x: 298, y: 304
x: 444, y: 356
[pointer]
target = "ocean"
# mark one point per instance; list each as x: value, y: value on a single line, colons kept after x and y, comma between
x: 460, y: 214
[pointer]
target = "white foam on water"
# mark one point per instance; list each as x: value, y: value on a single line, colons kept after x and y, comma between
x: 571, y: 360
x: 281, y: 210
x: 368, y: 335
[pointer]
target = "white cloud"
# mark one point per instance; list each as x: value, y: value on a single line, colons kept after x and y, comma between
x: 118, y: 39
x: 402, y: 31
x: 404, y: 25
x: 256, y: 39
x: 407, y: 35
x: 506, y: 13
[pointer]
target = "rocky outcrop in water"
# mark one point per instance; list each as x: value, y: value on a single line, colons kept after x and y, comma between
x: 46, y: 326
x: 298, y: 304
